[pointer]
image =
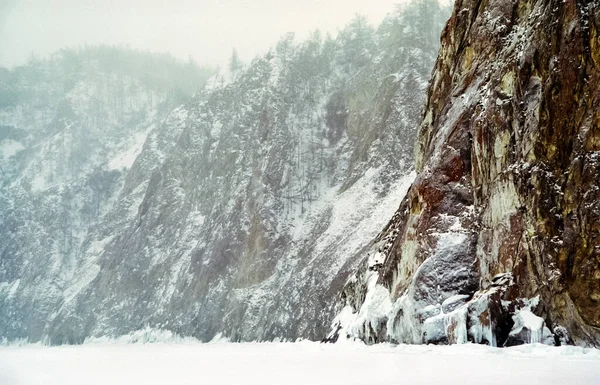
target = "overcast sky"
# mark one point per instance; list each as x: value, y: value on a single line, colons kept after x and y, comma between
x: 207, y: 30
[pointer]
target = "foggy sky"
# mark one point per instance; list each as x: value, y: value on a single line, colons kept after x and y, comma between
x: 207, y: 30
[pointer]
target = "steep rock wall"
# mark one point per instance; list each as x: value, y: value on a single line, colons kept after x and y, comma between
x: 498, y: 239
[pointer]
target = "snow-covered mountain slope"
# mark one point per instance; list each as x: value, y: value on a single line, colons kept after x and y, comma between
x: 70, y: 129
x: 498, y: 239
x: 247, y: 208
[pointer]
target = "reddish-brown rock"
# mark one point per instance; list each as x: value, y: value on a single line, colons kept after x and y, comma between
x: 508, y: 162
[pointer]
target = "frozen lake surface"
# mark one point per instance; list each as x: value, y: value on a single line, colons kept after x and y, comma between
x: 295, y: 363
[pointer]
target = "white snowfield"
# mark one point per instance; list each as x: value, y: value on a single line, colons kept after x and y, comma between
x: 305, y: 363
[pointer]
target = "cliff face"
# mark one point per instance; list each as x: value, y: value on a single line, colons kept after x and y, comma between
x: 498, y: 238
x: 268, y: 185
x: 245, y: 210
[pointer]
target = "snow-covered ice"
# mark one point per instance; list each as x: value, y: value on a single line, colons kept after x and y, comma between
x: 295, y: 363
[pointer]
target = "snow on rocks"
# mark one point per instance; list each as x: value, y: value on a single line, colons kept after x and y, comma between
x: 484, y: 317
x: 528, y: 328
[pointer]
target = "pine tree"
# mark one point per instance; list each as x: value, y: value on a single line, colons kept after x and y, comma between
x: 234, y: 63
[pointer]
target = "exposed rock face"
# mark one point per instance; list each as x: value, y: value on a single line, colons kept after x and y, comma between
x: 498, y: 239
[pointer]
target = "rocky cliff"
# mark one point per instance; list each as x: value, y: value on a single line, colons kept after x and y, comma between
x: 498, y: 238
x: 245, y: 210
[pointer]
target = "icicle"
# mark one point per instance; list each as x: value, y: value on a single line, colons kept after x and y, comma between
x: 533, y: 324
x: 456, y: 326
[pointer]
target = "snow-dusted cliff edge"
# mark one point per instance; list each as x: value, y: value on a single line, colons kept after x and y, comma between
x: 498, y: 238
